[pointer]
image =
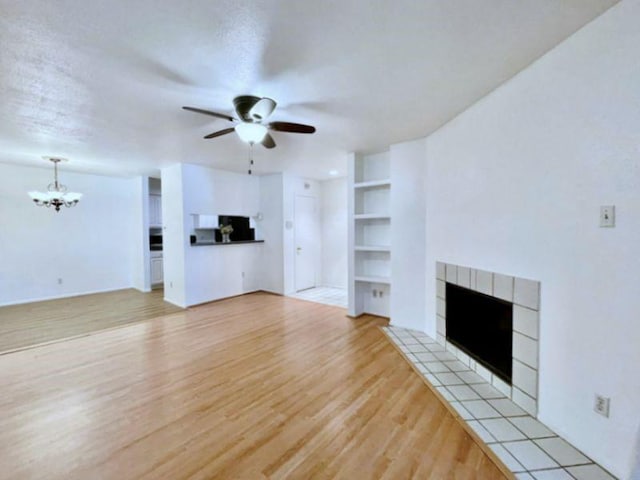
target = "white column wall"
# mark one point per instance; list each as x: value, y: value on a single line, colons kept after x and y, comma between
x: 140, y: 266
x: 408, y: 234
x: 271, y: 206
x: 175, y: 235
x: 514, y: 186
x: 334, y: 232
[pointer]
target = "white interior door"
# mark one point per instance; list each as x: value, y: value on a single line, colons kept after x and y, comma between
x: 306, y: 240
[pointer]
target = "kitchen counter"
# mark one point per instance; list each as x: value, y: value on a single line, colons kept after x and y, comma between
x: 204, y: 244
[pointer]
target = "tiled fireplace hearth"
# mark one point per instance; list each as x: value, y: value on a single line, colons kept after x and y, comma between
x: 526, y: 447
x: 525, y: 296
x: 505, y: 428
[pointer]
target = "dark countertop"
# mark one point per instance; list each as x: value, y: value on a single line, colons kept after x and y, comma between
x: 203, y: 244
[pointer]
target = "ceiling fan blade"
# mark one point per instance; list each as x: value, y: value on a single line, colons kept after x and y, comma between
x: 291, y: 127
x: 262, y: 109
x: 208, y: 112
x: 268, y: 141
x: 243, y: 105
x: 219, y: 133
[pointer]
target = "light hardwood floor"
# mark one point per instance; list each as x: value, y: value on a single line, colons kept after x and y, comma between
x: 42, y: 322
x: 253, y: 387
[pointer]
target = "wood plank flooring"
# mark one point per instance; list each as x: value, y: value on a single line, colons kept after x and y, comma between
x: 41, y: 322
x: 253, y: 387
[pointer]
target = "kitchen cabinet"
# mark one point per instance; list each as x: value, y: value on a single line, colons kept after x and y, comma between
x: 155, y: 210
x: 207, y: 221
x: 157, y: 271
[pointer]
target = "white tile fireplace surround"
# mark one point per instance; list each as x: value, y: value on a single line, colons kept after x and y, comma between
x: 529, y: 449
x: 525, y: 296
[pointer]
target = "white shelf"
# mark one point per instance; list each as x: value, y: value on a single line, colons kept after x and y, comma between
x: 371, y: 279
x: 372, y: 248
x: 372, y: 184
x: 369, y: 234
x: 372, y: 216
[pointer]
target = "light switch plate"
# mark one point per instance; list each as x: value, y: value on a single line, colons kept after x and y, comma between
x: 608, y: 216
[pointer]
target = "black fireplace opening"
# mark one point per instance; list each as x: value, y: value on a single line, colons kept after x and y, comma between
x: 481, y: 326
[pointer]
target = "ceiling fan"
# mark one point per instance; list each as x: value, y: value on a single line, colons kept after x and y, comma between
x: 250, y: 127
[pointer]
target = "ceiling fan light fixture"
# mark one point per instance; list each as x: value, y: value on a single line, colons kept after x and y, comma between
x: 251, y: 132
x: 251, y: 123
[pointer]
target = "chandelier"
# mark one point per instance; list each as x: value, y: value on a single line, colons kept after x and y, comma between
x: 57, y: 194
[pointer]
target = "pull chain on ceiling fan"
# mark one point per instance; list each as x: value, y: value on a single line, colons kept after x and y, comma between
x: 250, y: 158
x: 252, y: 112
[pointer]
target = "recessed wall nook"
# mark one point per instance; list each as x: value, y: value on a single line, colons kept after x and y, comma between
x: 369, y: 234
x: 524, y: 296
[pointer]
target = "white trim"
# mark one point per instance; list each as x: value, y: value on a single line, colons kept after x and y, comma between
x: 68, y: 295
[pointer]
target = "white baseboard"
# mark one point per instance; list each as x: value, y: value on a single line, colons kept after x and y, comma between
x: 248, y: 292
x: 275, y: 292
x: 66, y: 295
x: 173, y: 303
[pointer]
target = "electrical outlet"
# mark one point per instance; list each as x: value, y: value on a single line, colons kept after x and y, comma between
x: 375, y: 292
x: 601, y: 405
x: 170, y: 284
x: 608, y: 216
x: 380, y: 294
x: 59, y: 281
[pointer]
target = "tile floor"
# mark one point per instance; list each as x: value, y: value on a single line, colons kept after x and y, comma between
x: 526, y: 446
x: 326, y: 295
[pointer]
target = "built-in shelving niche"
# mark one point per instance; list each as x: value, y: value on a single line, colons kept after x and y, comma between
x: 370, y: 242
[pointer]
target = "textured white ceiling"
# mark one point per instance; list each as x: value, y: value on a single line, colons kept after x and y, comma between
x: 102, y: 83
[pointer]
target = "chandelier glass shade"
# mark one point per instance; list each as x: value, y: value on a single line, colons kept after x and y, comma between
x: 57, y: 194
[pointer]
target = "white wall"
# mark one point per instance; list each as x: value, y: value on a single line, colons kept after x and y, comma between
x: 215, y: 272
x: 140, y: 243
x: 196, y: 275
x: 175, y: 236
x: 354, y: 294
x: 271, y: 206
x: 221, y: 271
x: 199, y: 274
x: 514, y: 185
x: 408, y: 234
x: 334, y: 232
x: 211, y: 191
x: 89, y: 246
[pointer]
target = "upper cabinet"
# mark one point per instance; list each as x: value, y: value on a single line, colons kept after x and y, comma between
x: 205, y: 221
x: 155, y: 210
